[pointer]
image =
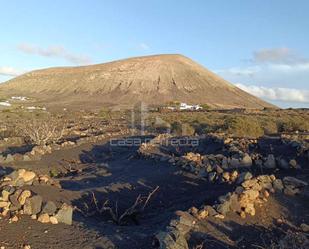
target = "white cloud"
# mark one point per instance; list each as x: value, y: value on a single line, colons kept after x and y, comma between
x: 271, y: 69
x: 246, y: 71
x: 10, y: 71
x: 301, y: 67
x: 277, y: 56
x: 144, y: 46
x: 280, y: 69
x: 55, y: 51
x: 282, y: 94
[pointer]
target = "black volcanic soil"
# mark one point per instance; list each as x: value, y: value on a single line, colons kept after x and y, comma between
x: 122, y: 179
x: 119, y: 175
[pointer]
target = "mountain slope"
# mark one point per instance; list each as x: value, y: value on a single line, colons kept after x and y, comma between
x: 154, y: 79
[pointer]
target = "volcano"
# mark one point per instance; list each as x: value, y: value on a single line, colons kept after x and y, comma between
x: 155, y: 80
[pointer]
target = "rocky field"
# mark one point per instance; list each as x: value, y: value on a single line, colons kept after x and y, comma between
x: 208, y: 180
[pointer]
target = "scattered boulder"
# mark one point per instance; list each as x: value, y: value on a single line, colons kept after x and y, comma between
x: 278, y: 185
x: 183, y: 222
x: 53, y: 220
x: 4, y: 204
x: 283, y: 164
x: 304, y: 227
x: 171, y: 239
x: 223, y: 208
x: 26, y: 158
x: 249, y: 183
x: 246, y: 161
x: 244, y: 176
x: 64, y: 214
x: 212, y: 176
x: 23, y: 196
x: 33, y: 205
x: 28, y: 176
x: 14, y: 200
x: 293, y: 163
x: 49, y: 208
x: 5, y: 195
x: 270, y: 162
x: 211, y: 211
x: 44, y: 218
x: 9, y: 158
x: 234, y: 163
x: 292, y: 181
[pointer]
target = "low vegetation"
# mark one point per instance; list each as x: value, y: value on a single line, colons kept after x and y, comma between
x: 238, y: 123
x: 42, y: 132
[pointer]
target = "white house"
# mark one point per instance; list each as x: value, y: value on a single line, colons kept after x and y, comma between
x: 6, y: 103
x: 35, y: 108
x: 184, y: 106
x: 21, y: 98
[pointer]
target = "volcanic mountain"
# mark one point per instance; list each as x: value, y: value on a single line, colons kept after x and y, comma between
x: 155, y: 80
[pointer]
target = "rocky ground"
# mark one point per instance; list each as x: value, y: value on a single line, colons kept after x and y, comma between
x: 223, y: 192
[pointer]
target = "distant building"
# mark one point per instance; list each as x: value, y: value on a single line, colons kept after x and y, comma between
x: 6, y: 103
x: 35, y: 108
x: 22, y: 98
x: 184, y: 106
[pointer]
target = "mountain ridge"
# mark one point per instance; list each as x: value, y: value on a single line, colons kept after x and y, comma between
x: 153, y: 79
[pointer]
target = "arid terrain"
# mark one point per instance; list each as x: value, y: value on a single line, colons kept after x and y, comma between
x: 149, y: 152
x: 155, y: 80
x: 154, y: 124
x: 182, y: 179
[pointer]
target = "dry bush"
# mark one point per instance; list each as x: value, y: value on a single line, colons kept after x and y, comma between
x: 293, y: 123
x: 182, y: 129
x: 42, y: 132
x: 95, y: 208
x: 244, y: 126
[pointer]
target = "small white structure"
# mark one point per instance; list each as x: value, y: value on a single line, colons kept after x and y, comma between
x: 21, y: 98
x: 35, y: 108
x: 6, y: 103
x: 184, y: 106
x: 171, y: 108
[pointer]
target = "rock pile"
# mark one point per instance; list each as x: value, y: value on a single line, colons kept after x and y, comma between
x: 233, y: 166
x: 22, y: 177
x: 174, y: 236
x: 252, y: 191
x: 40, y: 150
x: 16, y: 199
x: 220, y: 167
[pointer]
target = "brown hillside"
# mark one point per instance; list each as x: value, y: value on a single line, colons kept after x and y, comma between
x: 152, y: 79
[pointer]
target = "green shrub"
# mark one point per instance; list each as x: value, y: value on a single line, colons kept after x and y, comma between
x: 294, y: 123
x: 205, y: 107
x: 244, y: 127
x: 270, y: 127
x: 161, y: 127
x: 176, y: 128
x: 183, y: 129
x: 54, y: 172
x: 187, y: 130
x: 105, y: 113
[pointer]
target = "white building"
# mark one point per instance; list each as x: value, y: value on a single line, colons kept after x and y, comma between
x: 21, y: 98
x: 6, y: 103
x: 184, y: 106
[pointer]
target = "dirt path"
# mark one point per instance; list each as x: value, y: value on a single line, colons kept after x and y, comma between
x: 118, y: 175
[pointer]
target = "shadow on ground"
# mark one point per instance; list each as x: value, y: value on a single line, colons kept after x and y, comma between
x: 126, y: 176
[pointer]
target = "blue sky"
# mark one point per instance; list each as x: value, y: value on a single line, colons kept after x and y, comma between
x: 260, y: 45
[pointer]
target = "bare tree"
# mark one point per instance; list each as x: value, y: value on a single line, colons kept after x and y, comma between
x: 42, y: 132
